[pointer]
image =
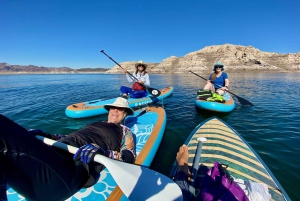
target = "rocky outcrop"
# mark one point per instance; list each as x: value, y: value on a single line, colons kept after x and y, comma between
x: 234, y: 57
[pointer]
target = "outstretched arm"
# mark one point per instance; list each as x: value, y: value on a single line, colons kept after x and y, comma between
x: 127, y: 153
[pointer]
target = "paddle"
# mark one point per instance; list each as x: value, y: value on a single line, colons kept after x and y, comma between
x: 130, y: 119
x: 242, y: 101
x: 152, y: 91
x: 196, y: 163
x: 132, y: 179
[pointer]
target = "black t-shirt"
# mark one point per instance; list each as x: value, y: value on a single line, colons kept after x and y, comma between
x: 107, y: 135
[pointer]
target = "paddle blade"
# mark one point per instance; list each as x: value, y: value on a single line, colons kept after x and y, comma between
x: 154, y: 99
x: 154, y: 92
x: 141, y: 183
x: 244, y: 102
x: 136, y: 182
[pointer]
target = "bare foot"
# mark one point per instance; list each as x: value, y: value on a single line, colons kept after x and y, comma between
x: 182, y: 155
x: 182, y: 159
x: 125, y: 96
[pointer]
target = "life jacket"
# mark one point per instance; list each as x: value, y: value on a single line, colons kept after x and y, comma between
x: 204, y: 94
x: 216, y: 98
x: 137, y: 86
x: 208, y: 95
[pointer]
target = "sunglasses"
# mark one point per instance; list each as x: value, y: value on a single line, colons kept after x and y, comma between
x: 117, y: 108
x: 218, y: 66
x: 141, y: 66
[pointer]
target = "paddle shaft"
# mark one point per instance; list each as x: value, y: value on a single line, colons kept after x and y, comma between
x: 196, y: 164
x: 119, y: 65
x: 132, y: 179
x: 129, y: 120
x: 205, y: 79
x: 154, y: 92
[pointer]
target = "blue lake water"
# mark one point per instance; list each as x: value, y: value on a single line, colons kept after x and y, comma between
x: 271, y: 126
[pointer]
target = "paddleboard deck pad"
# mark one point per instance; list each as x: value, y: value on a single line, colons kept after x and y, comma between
x: 228, y: 147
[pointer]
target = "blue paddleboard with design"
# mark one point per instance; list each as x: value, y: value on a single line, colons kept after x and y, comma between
x: 148, y: 125
x: 96, y: 107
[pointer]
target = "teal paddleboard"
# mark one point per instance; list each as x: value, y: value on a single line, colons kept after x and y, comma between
x: 148, y: 124
x: 96, y: 107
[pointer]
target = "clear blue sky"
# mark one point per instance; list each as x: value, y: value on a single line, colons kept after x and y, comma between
x: 57, y: 33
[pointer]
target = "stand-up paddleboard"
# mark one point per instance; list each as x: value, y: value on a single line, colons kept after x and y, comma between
x: 148, y: 126
x: 225, y: 145
x: 228, y: 106
x: 96, y: 107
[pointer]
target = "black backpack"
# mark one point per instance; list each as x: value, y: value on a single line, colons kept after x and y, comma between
x: 204, y: 94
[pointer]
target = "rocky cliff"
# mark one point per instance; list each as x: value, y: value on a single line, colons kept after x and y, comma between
x: 236, y: 58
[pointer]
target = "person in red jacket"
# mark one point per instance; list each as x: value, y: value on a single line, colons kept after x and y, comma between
x: 41, y: 172
x: 140, y: 79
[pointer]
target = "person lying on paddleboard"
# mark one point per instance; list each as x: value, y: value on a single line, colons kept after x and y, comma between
x: 218, y: 81
x: 138, y: 89
x: 41, y: 172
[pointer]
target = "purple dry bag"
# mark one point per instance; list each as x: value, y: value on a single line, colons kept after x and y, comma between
x: 217, y: 185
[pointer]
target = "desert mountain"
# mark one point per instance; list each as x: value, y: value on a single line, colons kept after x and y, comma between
x: 234, y: 58
x: 7, y: 68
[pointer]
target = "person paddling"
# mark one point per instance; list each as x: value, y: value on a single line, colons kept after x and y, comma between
x: 218, y: 81
x: 41, y: 172
x: 138, y: 89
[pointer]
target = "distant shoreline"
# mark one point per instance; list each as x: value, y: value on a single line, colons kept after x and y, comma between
x: 48, y: 73
x: 177, y: 73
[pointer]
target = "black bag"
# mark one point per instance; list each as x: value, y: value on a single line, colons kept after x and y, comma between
x: 204, y: 94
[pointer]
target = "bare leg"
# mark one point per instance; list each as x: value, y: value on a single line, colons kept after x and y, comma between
x: 182, y: 159
x: 209, y: 86
x: 220, y: 91
x: 182, y: 172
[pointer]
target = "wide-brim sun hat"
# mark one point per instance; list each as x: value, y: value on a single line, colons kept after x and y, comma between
x: 141, y: 63
x: 218, y: 63
x: 120, y: 102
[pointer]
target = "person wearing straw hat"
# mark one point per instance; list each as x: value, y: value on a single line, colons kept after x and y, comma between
x: 138, y: 89
x: 41, y: 172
